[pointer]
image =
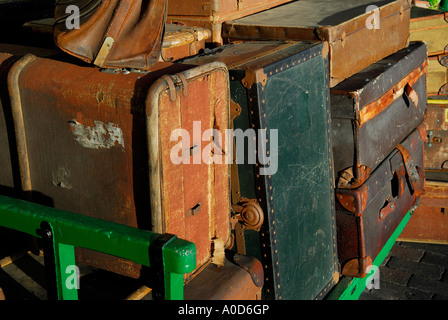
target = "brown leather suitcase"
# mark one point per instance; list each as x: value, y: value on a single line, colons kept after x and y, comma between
x: 356, y: 37
x: 183, y: 41
x: 375, y: 109
x: 178, y: 42
x: 429, y: 222
x: 367, y: 216
x: 113, y: 33
x: 212, y: 14
x: 98, y: 143
x: 430, y: 26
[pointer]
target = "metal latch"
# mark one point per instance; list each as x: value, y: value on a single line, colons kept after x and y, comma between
x: 248, y: 213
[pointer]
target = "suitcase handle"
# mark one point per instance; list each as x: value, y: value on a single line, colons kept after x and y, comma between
x: 411, y: 94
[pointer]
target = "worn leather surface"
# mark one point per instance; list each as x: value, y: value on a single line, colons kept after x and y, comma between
x: 136, y: 27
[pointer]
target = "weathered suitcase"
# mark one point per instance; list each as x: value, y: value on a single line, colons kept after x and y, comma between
x: 437, y: 75
x: 368, y: 215
x: 436, y: 150
x: 430, y: 26
x: 98, y: 143
x: 374, y: 110
x: 113, y: 33
x: 429, y: 222
x: 182, y: 41
x: 211, y: 14
x: 178, y: 41
x: 280, y: 91
x: 357, y: 36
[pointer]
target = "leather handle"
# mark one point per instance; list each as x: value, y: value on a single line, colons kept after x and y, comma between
x: 387, y: 209
x: 412, y: 94
x: 411, y: 170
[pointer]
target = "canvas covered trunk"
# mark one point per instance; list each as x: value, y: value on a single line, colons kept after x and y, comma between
x: 374, y: 110
x: 368, y: 215
x: 98, y: 143
x: 282, y: 180
x: 359, y: 33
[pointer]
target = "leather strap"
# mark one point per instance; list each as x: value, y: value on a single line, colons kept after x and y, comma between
x: 411, y: 170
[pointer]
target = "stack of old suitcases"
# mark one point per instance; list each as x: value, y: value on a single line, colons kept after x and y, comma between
x: 377, y: 85
x: 288, y: 149
x: 430, y: 221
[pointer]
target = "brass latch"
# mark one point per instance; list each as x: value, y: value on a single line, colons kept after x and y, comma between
x: 248, y: 213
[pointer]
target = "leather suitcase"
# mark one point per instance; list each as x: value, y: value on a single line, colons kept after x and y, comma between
x: 97, y: 143
x: 355, y: 35
x: 430, y: 26
x: 286, y: 215
x: 182, y: 41
x: 178, y: 41
x: 374, y: 110
x: 429, y: 222
x: 437, y: 75
x: 436, y: 149
x: 367, y: 216
x: 212, y: 14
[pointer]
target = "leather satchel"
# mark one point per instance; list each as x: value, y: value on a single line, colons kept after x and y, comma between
x: 112, y: 33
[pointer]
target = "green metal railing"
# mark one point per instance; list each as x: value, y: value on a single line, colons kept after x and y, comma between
x: 351, y: 288
x: 171, y: 256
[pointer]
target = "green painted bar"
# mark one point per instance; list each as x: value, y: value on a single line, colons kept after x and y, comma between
x: 65, y: 258
x: 95, y: 234
x: 352, y: 288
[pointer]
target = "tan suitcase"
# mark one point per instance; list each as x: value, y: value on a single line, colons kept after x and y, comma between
x: 357, y: 36
x: 212, y: 14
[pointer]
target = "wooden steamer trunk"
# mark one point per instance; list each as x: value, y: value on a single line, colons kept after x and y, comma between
x: 97, y: 143
x: 357, y: 36
x: 280, y: 91
x: 368, y: 215
x: 212, y: 14
x: 374, y: 110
